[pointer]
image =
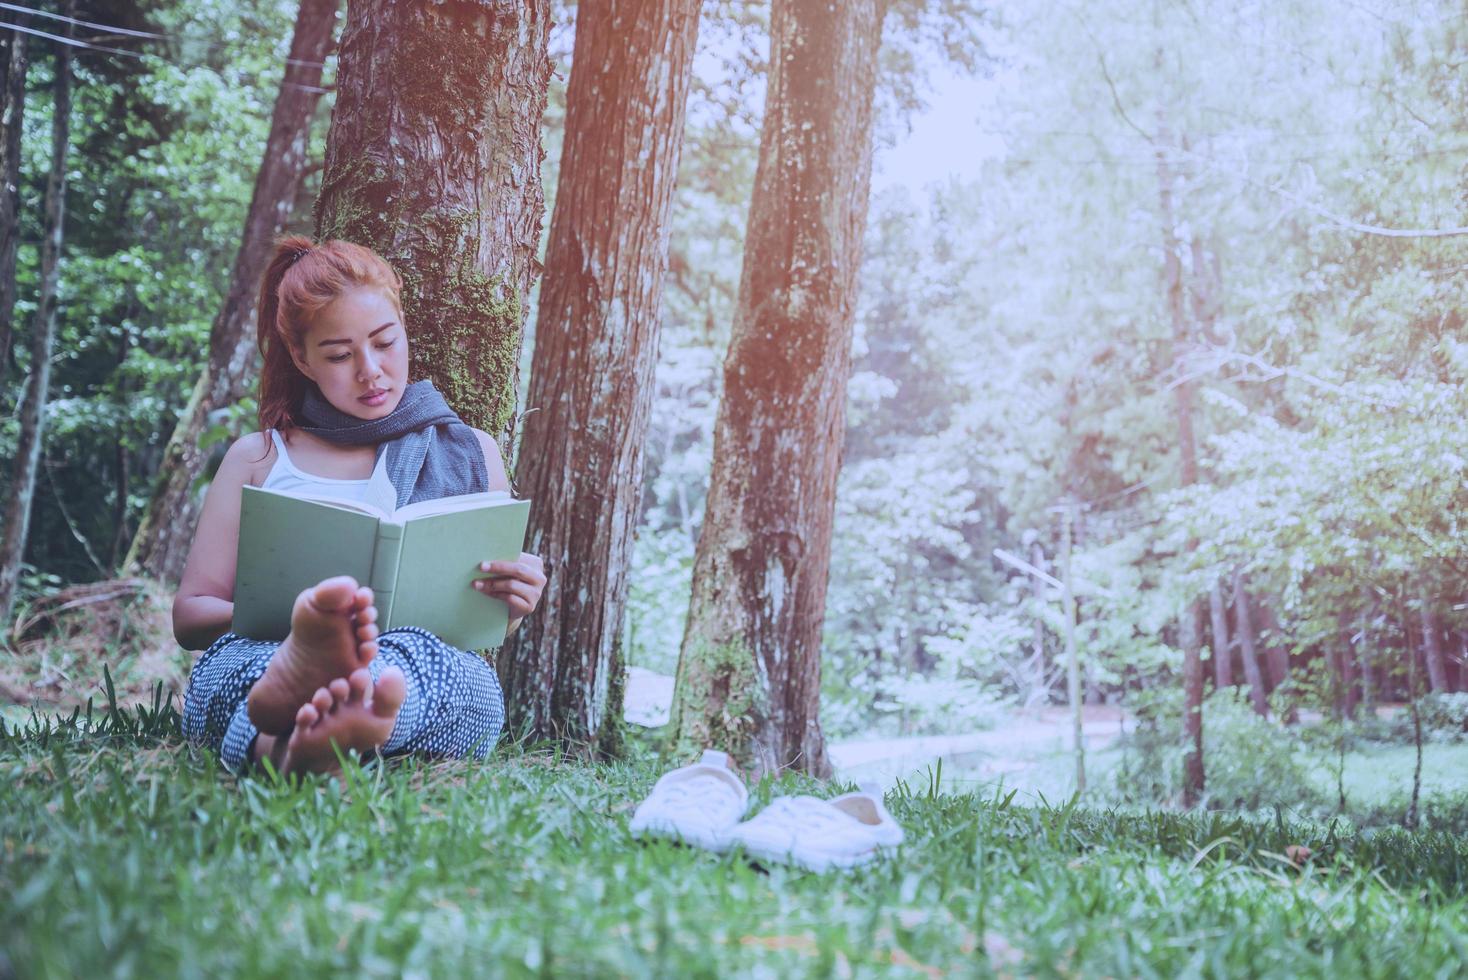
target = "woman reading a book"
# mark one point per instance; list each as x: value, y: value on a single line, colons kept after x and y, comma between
x: 337, y: 419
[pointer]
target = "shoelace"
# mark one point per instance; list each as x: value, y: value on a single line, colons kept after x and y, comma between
x: 809, y: 812
x: 688, y: 794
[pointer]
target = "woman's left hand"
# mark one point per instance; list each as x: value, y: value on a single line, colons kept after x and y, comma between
x: 519, y: 583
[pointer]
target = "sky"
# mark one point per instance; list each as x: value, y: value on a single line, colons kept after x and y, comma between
x: 946, y: 140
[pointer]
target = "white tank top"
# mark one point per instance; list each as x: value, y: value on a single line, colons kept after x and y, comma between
x: 286, y: 477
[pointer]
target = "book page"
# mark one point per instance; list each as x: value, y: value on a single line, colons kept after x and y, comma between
x: 359, y: 506
x: 449, y: 505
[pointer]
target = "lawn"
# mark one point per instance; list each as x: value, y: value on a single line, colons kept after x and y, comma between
x: 128, y: 852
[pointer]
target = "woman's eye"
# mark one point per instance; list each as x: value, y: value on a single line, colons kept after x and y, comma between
x: 386, y: 344
x: 338, y: 358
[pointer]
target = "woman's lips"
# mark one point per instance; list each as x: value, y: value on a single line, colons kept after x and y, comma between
x: 374, y: 397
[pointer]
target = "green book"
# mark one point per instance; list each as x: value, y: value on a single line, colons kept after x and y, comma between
x: 420, y: 560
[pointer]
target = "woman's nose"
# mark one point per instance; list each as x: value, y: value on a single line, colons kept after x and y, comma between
x: 370, y: 367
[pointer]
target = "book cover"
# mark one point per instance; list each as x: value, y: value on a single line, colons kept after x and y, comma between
x: 420, y: 564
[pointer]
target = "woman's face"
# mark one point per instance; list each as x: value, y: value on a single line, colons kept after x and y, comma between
x: 356, y: 351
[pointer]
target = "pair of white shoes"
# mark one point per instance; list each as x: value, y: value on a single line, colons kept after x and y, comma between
x: 703, y: 805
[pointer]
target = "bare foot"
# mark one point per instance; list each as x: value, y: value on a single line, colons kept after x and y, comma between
x: 333, y: 632
x: 349, y: 713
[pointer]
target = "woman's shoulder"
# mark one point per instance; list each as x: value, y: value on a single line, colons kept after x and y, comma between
x: 494, y: 461
x: 249, y: 458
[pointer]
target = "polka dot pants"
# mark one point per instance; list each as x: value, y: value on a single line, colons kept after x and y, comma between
x: 454, y: 708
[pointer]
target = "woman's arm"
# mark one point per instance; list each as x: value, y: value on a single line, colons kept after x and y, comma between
x: 520, y: 583
x: 204, y: 605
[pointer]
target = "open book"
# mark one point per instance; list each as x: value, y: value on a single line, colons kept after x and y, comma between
x: 420, y: 560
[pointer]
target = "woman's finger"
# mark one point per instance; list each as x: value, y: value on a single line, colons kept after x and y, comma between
x: 522, y: 570
x: 503, y: 588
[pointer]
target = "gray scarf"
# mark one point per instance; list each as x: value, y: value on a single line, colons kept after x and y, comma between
x: 431, y: 453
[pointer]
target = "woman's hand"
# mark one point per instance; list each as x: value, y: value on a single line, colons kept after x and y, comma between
x: 518, y: 583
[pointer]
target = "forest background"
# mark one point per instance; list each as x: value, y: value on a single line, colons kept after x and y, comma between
x: 1191, y: 296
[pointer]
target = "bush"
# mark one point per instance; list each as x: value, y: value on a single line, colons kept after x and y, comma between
x: 1249, y: 762
x: 1444, y: 716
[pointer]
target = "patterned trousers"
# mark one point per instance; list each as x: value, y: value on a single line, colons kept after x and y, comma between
x: 454, y: 706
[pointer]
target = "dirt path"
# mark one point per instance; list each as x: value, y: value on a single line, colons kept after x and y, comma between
x: 1014, y: 746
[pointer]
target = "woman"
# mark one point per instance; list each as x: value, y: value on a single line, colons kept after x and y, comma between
x: 338, y: 418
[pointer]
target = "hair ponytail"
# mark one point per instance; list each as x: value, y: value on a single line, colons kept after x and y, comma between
x: 281, y: 384
x: 302, y: 278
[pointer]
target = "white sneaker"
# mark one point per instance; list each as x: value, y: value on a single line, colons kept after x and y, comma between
x: 697, y: 804
x: 818, y: 834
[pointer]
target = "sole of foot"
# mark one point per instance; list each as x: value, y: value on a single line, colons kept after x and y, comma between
x: 333, y: 632
x: 349, y: 713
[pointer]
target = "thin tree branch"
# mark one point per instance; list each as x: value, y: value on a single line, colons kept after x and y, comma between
x: 1116, y: 100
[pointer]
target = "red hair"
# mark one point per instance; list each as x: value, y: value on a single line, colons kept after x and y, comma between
x: 301, y: 280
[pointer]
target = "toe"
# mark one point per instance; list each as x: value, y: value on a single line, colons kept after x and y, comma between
x: 361, y: 683
x: 362, y: 598
x: 367, y: 631
x: 339, y: 689
x: 366, y: 651
x: 388, y: 693
x: 335, y: 594
x: 306, y: 716
x: 322, y: 700
x: 368, y: 615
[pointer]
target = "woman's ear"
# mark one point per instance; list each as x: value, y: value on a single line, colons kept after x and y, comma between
x: 299, y: 360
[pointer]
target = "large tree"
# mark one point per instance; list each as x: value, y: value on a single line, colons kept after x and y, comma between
x: 749, y: 666
x: 596, y: 341
x: 43, y: 333
x: 161, y: 543
x: 433, y: 160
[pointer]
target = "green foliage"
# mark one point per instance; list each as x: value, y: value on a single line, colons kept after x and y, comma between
x: 165, y: 150
x: 1251, y: 763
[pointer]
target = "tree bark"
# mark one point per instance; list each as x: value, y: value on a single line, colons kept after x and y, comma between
x: 1349, y: 678
x: 596, y: 341
x: 13, y: 64
x: 1432, y: 646
x: 433, y: 161
x: 1223, y: 669
x: 1245, y: 624
x: 22, y: 489
x: 161, y: 544
x: 749, y: 669
x: 1276, y: 657
x: 1188, y: 631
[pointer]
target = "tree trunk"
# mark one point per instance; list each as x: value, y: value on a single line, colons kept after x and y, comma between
x: 1432, y: 646
x: 1245, y: 624
x: 22, y: 489
x: 1039, y: 688
x: 433, y: 161
x: 1223, y: 669
x: 14, y: 62
x: 1193, y: 774
x: 1276, y: 657
x: 596, y: 342
x: 161, y: 544
x: 749, y: 670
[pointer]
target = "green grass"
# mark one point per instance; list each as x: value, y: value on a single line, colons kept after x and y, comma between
x: 128, y: 852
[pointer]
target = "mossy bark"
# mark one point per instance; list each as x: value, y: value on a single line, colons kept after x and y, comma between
x: 161, y: 545
x: 749, y: 671
x: 433, y: 161
x: 596, y: 341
